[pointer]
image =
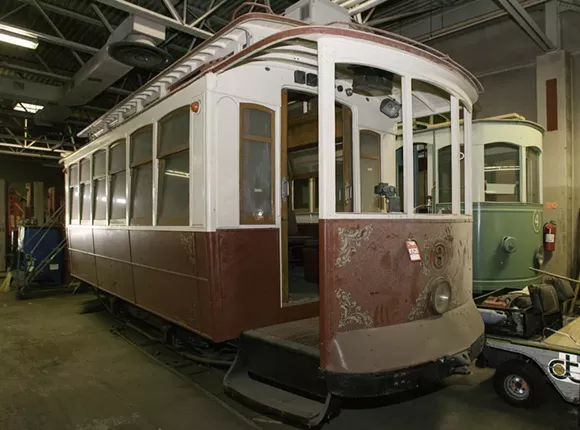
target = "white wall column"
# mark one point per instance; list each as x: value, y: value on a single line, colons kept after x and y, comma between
x: 455, y: 162
x: 326, y: 131
x: 408, y: 168
x: 467, y: 162
x: 554, y: 104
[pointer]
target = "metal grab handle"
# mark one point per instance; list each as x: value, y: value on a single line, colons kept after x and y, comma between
x: 249, y: 3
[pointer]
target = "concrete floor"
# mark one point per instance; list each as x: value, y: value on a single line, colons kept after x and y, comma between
x: 65, y: 371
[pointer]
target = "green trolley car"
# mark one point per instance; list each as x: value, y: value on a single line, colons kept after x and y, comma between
x: 506, y: 190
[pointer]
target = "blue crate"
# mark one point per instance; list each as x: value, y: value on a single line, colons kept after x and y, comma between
x: 38, y: 243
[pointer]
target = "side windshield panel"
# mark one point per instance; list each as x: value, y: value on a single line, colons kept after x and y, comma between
x: 502, y: 172
x: 533, y: 175
x: 444, y: 174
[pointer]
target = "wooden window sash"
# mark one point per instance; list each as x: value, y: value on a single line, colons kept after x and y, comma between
x: 164, y: 120
x: 134, y: 135
x: 246, y: 219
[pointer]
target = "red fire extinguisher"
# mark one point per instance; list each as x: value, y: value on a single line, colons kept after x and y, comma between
x: 550, y: 236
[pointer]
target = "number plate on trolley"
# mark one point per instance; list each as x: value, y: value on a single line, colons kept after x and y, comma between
x: 413, y: 250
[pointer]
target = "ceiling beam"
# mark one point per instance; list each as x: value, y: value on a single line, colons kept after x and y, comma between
x: 20, y: 114
x: 527, y: 23
x: 30, y: 154
x: 64, y: 12
x: 56, y: 40
x: 156, y: 17
x: 56, y: 76
x: 36, y: 148
x: 457, y: 20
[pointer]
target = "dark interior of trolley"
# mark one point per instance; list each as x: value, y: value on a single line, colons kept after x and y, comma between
x: 215, y: 337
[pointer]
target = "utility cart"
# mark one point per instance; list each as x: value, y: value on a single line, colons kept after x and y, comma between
x: 531, y: 343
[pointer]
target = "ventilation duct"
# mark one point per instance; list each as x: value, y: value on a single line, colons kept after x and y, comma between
x: 317, y: 12
x: 102, y: 70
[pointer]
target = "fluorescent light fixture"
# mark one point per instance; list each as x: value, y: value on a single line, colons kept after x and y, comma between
x: 27, y: 107
x: 18, y: 37
x: 177, y: 173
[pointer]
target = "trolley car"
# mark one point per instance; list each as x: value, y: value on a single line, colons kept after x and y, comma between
x: 185, y: 207
x: 507, y: 195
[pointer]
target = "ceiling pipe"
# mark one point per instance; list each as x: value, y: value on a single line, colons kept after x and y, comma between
x: 351, y: 3
x: 363, y: 7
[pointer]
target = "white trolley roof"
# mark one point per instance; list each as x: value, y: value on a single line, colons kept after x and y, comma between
x: 245, y: 36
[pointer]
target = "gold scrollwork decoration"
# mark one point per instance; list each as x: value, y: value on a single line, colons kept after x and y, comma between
x: 351, y: 312
x: 351, y: 239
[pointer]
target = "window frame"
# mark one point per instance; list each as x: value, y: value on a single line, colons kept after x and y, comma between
x: 159, y: 156
x: 110, y: 176
x: 520, y: 179
x: 74, y: 184
x: 378, y: 158
x: 461, y: 176
x: 94, y: 180
x: 133, y: 166
x: 250, y: 220
x: 312, y: 197
x: 82, y: 184
x: 538, y: 173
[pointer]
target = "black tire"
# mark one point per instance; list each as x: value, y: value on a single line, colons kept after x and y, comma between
x: 520, y: 384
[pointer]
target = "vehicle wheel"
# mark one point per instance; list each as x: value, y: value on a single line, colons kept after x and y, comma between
x: 519, y: 383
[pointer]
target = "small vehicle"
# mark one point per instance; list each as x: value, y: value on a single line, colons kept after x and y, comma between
x: 530, y: 343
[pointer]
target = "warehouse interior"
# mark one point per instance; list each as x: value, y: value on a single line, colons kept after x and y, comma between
x: 69, y: 361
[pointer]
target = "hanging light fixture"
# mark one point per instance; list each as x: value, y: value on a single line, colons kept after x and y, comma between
x: 18, y: 37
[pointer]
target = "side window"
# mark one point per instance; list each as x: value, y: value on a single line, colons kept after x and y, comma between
x: 533, y: 175
x: 173, y: 156
x: 444, y: 174
x: 118, y: 175
x: 370, y: 170
x: 256, y: 164
x: 502, y: 172
x: 141, y: 210
x: 85, y: 191
x: 99, y: 186
x: 303, y: 169
x: 74, y: 194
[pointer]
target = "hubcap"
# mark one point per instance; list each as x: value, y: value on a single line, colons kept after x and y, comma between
x: 516, y: 387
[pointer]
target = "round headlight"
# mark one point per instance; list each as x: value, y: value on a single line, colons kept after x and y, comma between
x: 441, y: 297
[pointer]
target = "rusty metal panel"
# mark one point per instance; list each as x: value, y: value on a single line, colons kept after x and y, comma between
x: 116, y: 277
x: 169, y: 295
x: 248, y: 262
x: 168, y: 250
x: 368, y: 280
x: 113, y: 243
x: 83, y: 267
x: 80, y: 238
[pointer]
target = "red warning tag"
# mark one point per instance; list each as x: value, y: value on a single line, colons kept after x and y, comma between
x: 413, y: 249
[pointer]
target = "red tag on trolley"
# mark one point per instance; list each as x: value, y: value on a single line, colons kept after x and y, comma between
x: 413, y: 250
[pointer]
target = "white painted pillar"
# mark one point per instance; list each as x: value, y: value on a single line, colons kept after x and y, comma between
x: 155, y: 172
x: 455, y: 162
x: 409, y: 187
x: 326, y: 131
x: 554, y: 103
x: 467, y: 162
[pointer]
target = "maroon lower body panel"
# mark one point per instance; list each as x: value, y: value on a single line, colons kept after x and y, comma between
x: 216, y: 284
x: 376, y: 313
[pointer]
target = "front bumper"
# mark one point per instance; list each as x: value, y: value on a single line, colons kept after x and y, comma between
x: 360, y: 385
